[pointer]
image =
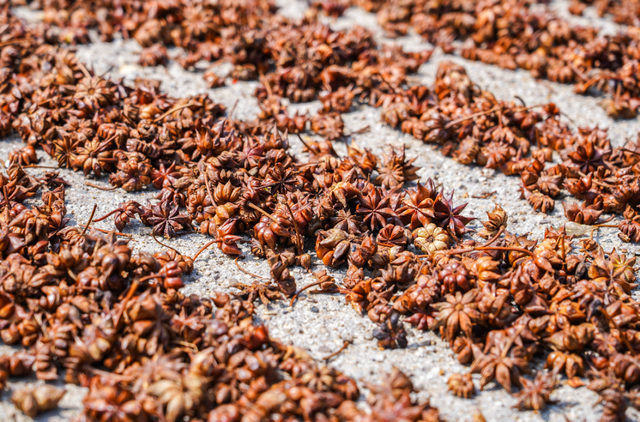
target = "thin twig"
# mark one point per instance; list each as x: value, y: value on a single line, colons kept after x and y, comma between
x: 337, y: 352
x: 171, y: 111
x: 151, y: 277
x: 482, y: 113
x: 472, y: 116
x: 232, y: 110
x: 93, y: 212
x: 483, y: 195
x: 293, y: 299
x: 206, y: 185
x: 295, y: 226
x: 202, y: 249
x: 257, y: 208
x: 84, y: 70
x: 247, y: 272
x: 630, y: 151
x: 494, y: 238
x: 35, y: 166
x: 304, y: 143
x: 595, y: 182
x: 93, y: 185
x: 107, y: 215
x: 111, y: 231
x: 490, y: 248
x: 166, y: 246
x: 360, y: 131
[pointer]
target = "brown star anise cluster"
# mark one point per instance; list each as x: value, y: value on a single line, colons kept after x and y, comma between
x: 529, y: 35
x: 90, y: 311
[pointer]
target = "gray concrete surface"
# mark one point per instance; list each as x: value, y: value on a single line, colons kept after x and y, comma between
x: 320, y: 323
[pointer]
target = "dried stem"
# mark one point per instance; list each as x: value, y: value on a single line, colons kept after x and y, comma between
x: 595, y: 182
x: 337, y: 352
x: 233, y: 109
x: 490, y: 248
x: 151, y: 277
x: 257, y: 208
x: 171, y: 111
x: 303, y: 142
x: 247, y: 272
x: 166, y: 246
x: 482, y: 113
x: 93, y: 185
x: 107, y: 215
x: 471, y: 116
x: 111, y: 231
x: 93, y: 212
x: 295, y: 226
x: 494, y: 238
x: 293, y: 299
x: 630, y: 151
x: 202, y: 249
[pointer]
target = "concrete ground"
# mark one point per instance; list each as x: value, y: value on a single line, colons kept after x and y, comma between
x: 321, y: 323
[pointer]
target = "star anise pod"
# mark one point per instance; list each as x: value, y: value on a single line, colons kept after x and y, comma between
x: 535, y: 393
x: 397, y: 170
x: 375, y: 209
x: 457, y: 313
x: 417, y: 208
x: 448, y: 216
x: 391, y: 333
x: 34, y: 400
x: 461, y: 385
x: 497, y: 219
x: 587, y: 156
x: 166, y: 219
x: 504, y: 363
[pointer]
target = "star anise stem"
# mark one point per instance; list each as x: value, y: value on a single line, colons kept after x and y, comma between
x: 490, y: 248
x: 173, y: 110
x: 494, y: 238
x: 247, y: 272
x: 295, y: 226
x: 86, y: 226
x: 257, y: 208
x: 203, y: 248
x: 93, y: 185
x: 165, y: 245
x: 337, y: 352
x: 308, y: 286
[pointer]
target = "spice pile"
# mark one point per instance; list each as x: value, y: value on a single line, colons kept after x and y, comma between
x: 470, y: 125
x: 257, y: 41
x: 90, y: 311
x: 525, y: 35
x: 624, y: 12
x: 82, y: 303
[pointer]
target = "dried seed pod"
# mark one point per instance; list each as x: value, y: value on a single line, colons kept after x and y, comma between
x: 461, y: 385
x: 431, y: 238
x: 35, y: 400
